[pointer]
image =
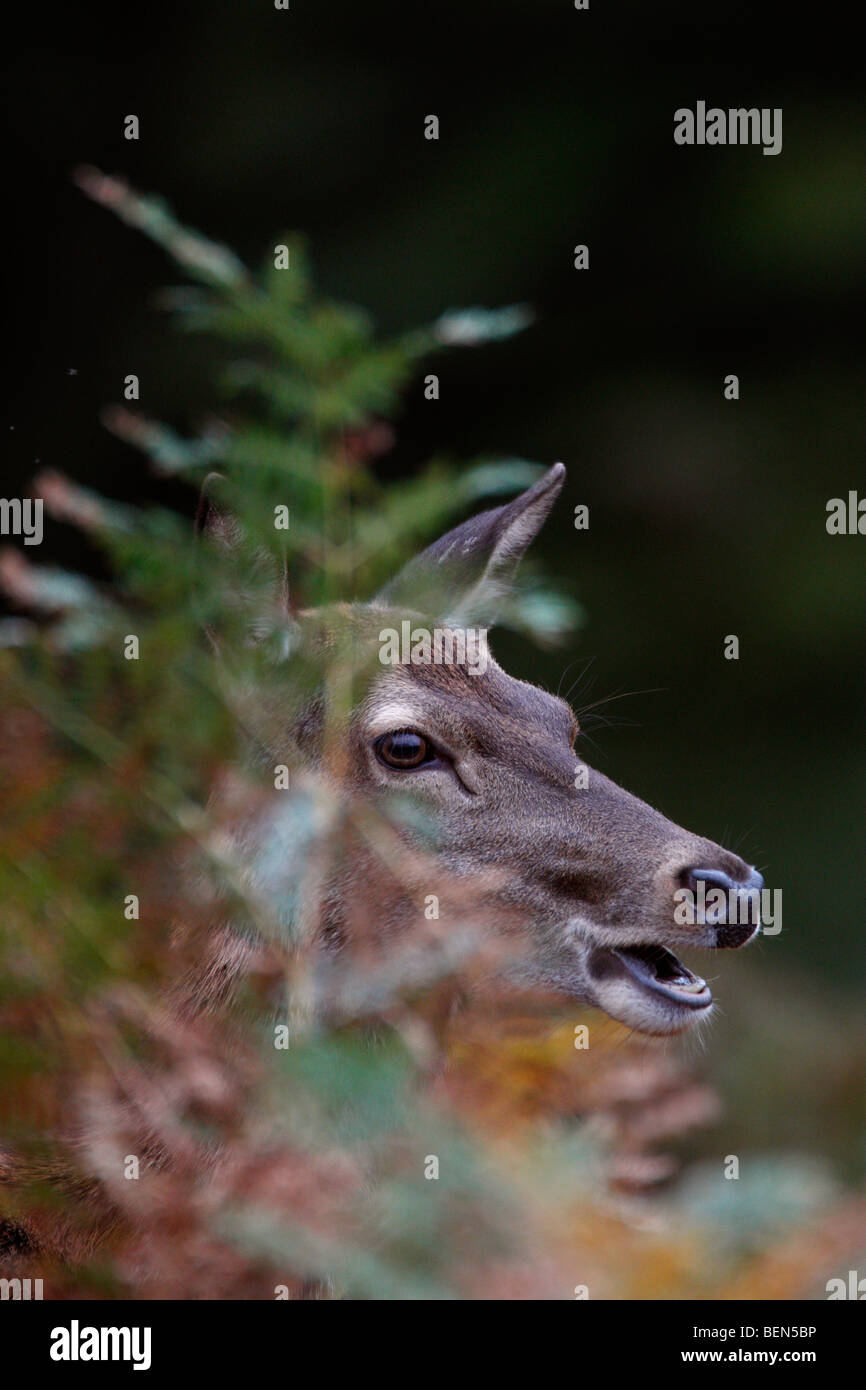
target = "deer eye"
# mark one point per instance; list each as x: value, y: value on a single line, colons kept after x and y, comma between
x: 404, y: 750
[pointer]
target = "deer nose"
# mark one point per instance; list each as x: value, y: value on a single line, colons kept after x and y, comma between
x: 735, y: 915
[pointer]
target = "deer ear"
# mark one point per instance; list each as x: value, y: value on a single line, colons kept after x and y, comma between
x: 463, y: 576
x: 252, y: 591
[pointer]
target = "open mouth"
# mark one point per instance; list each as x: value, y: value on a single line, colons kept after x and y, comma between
x: 646, y: 987
x: 658, y: 971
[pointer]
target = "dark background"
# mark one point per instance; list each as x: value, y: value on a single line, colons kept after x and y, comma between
x: 707, y: 516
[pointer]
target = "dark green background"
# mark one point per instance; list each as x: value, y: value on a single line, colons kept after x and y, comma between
x: 707, y: 517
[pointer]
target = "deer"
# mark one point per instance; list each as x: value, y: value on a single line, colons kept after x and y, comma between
x: 590, y: 873
x: 579, y: 877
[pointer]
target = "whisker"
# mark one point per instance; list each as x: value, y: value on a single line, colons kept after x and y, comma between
x: 617, y: 695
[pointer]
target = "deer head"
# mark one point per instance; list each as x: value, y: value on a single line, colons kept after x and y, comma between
x: 595, y: 874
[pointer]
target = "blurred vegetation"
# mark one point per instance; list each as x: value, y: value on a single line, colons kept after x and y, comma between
x: 304, y: 1168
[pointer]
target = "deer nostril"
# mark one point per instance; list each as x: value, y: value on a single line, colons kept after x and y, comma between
x: 731, y: 905
x: 717, y: 878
